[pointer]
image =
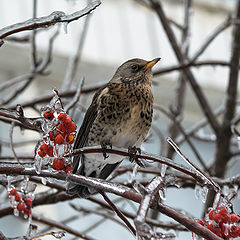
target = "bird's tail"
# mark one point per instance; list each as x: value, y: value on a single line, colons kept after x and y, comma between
x: 76, y: 189
x: 85, y: 192
x: 81, y: 191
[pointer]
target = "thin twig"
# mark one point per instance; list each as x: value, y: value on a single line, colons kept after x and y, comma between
x: 177, y: 149
x: 118, y: 212
x: 11, y: 143
x: 76, y: 96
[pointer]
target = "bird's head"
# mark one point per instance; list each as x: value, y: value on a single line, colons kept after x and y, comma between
x: 135, y: 68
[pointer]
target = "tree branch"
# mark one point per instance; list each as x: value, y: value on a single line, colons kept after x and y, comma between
x: 47, y: 21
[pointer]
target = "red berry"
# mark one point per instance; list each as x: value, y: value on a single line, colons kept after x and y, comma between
x: 50, y: 151
x: 234, y: 218
x: 223, y: 210
x: 217, y: 217
x: 27, y: 211
x: 68, y: 122
x: 17, y: 197
x: 226, y: 218
x: 20, y: 206
x: 218, y: 232
x: 201, y: 222
x: 28, y: 201
x: 210, y: 227
x: 68, y: 168
x: 210, y: 214
x: 62, y: 116
x: 62, y: 127
x: 48, y: 115
x: 51, y: 135
x: 70, y: 139
x: 235, y: 231
x: 73, y: 127
x: 59, y: 139
x: 44, y: 148
x: 42, y: 154
x: 58, y: 164
x: 13, y: 191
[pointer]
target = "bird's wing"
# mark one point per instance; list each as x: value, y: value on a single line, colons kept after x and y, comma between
x: 83, y: 132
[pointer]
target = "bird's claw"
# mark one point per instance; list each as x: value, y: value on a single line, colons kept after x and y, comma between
x: 104, y: 146
x: 133, y: 151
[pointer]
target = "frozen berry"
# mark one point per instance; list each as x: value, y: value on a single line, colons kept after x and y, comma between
x: 58, y: 164
x: 59, y: 139
x: 44, y: 148
x: 50, y: 151
x: 27, y: 211
x: 217, y: 217
x: 210, y: 214
x: 62, y: 116
x: 17, y: 197
x: 13, y: 191
x: 70, y: 139
x: 68, y: 122
x: 234, y: 218
x: 20, y: 206
x: 28, y: 201
x: 42, y: 154
x: 73, y: 127
x: 223, y: 211
x: 62, y: 127
x: 210, y: 227
x: 48, y: 115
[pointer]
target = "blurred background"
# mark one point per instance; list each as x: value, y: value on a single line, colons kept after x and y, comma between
x: 114, y: 32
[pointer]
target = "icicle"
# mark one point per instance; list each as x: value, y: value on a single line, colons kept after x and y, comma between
x: 132, y: 175
x: 65, y: 27
x: 15, y: 212
x: 197, y: 191
x: 204, y: 194
x: 163, y: 170
x: 44, y: 180
x: 162, y: 193
x: 38, y: 164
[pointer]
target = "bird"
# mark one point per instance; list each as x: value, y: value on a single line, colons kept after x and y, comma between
x: 119, y: 115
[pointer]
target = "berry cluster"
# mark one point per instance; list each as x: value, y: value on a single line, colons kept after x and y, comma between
x: 20, y: 202
x: 59, y: 134
x: 222, y: 223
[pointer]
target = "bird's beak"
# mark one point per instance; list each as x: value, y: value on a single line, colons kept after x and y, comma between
x: 151, y: 63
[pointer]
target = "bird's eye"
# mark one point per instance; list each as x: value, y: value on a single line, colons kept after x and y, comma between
x: 135, y: 67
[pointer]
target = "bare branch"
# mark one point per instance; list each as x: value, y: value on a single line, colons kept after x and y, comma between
x: 50, y: 20
x: 61, y: 226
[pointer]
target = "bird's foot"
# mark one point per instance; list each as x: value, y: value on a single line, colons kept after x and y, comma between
x: 133, y: 151
x: 104, y: 146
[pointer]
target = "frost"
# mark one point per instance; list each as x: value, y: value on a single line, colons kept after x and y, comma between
x: 59, y: 234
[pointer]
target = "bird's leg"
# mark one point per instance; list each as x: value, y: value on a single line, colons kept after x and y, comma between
x: 104, y: 145
x: 132, y: 151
